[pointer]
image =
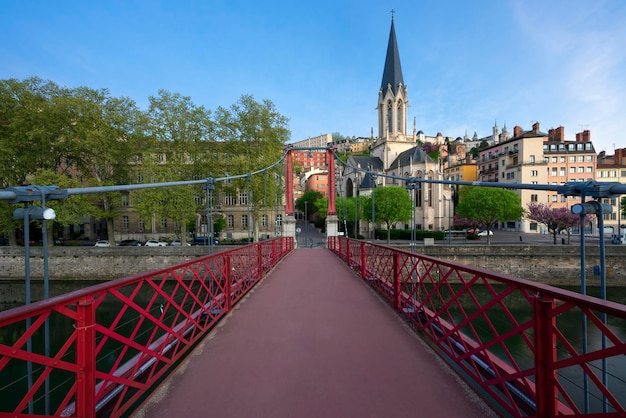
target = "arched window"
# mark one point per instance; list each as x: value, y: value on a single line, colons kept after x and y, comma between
x: 349, y: 188
x: 389, y: 116
x: 400, y: 118
x: 418, y: 192
x: 430, y: 191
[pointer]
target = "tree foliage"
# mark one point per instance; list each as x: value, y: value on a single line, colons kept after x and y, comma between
x: 391, y: 204
x: 486, y: 206
x: 308, y: 202
x: 101, y: 140
x: 555, y: 219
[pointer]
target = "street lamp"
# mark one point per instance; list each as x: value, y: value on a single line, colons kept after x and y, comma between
x: 306, y: 222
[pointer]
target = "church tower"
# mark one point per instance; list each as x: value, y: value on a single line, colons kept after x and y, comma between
x: 393, y: 99
x: 393, y: 105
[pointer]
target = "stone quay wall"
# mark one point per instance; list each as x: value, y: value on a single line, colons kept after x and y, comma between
x: 547, y: 264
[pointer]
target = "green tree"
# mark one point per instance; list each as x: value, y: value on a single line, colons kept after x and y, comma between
x: 68, y: 211
x: 179, y: 147
x: 31, y: 128
x: 100, y: 141
x: 391, y: 204
x: 308, y: 202
x: 488, y: 206
x: 252, y: 137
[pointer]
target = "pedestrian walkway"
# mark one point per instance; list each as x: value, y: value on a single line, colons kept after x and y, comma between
x: 312, y: 340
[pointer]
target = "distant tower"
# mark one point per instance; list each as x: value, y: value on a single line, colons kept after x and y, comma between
x: 393, y: 101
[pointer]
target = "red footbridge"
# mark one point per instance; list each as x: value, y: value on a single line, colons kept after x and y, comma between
x: 354, y: 329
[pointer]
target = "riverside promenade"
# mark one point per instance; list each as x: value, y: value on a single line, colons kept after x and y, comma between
x: 312, y: 340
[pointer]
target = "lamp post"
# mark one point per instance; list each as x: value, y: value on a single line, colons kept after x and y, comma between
x: 306, y: 222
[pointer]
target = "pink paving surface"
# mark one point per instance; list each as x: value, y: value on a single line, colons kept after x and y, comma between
x: 312, y: 340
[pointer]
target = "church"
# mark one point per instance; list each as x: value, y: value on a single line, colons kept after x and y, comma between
x: 394, y: 153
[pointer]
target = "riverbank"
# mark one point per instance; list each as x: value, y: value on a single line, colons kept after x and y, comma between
x: 550, y: 264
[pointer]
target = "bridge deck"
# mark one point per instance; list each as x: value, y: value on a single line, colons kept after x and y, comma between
x: 312, y: 340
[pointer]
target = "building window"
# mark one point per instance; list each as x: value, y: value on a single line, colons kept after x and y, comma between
x: 532, y: 159
x: 279, y: 220
x: 561, y: 171
x: 198, y: 200
x: 554, y: 171
x: 243, y: 198
x: 230, y: 199
x: 139, y: 178
x: 572, y: 159
x: 141, y: 224
x: 534, y: 173
x: 589, y: 169
x: 572, y: 170
x: 555, y: 159
x: 163, y: 222
x: 589, y: 158
x: 244, y: 221
x: 581, y: 158
x: 231, y: 221
x: 125, y: 199
x: 554, y: 198
x: 561, y: 159
x: 534, y: 198
x: 264, y: 220
x: 125, y: 222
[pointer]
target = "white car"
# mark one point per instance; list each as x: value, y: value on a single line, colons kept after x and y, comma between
x: 485, y: 233
x: 102, y: 243
x: 155, y: 243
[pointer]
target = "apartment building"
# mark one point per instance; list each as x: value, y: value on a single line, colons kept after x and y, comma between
x: 536, y: 157
x: 568, y: 161
x: 612, y: 168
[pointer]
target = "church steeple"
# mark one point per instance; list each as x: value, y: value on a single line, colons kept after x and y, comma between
x: 393, y: 101
x: 392, y: 73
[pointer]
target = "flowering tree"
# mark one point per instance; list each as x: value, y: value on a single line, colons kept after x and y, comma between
x: 431, y: 149
x: 556, y: 219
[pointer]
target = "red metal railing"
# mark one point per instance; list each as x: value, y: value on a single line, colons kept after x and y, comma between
x: 112, y: 357
x: 520, y: 344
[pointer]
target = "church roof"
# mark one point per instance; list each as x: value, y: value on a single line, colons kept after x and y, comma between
x: 414, y: 155
x: 392, y: 74
x: 366, y: 163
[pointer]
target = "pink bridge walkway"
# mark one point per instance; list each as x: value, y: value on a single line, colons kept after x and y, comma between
x: 313, y: 340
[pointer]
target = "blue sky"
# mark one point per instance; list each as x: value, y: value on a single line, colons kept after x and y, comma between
x: 467, y: 64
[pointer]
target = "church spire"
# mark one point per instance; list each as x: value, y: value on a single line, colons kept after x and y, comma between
x: 392, y: 73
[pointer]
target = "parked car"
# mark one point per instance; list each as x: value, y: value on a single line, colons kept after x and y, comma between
x: 102, y: 243
x: 155, y: 243
x: 204, y: 241
x: 472, y: 230
x: 177, y: 243
x: 130, y: 243
x: 485, y: 233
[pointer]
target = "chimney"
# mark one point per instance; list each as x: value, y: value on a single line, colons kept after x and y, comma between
x: 559, y: 134
x: 536, y: 127
x: 517, y: 131
x: 584, y: 136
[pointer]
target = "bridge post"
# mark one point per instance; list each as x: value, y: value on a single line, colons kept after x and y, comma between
x: 86, y: 358
x: 332, y: 221
x: 289, y: 223
x: 545, y: 356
